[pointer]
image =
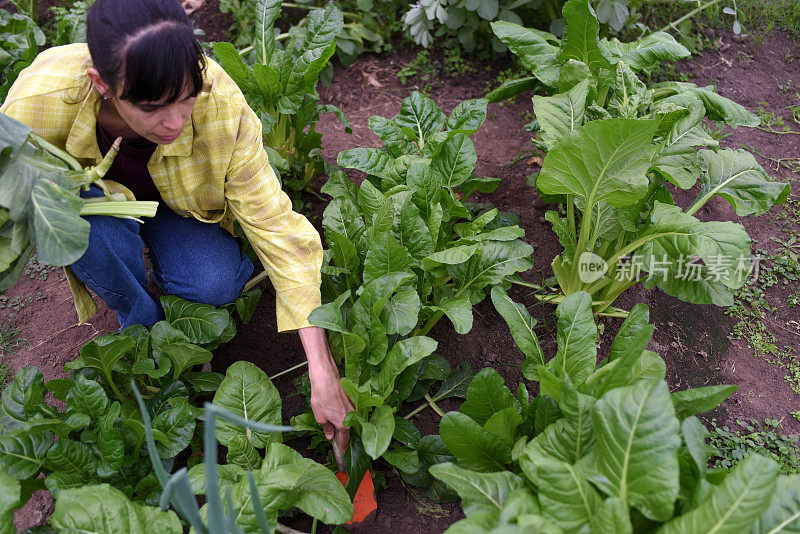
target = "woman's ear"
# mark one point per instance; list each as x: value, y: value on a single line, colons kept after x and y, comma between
x: 100, y: 86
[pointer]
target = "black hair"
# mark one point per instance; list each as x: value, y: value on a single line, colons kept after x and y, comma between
x: 148, y: 45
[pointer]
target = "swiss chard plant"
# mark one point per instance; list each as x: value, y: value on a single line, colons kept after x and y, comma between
x: 256, y: 459
x: 281, y: 87
x: 20, y: 39
x: 603, y: 447
x: 101, y: 433
x: 39, y: 203
x: 404, y: 251
x: 614, y: 144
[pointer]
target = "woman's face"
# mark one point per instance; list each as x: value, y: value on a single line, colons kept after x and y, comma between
x: 156, y: 121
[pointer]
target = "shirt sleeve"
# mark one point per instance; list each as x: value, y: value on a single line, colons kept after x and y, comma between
x: 287, y: 244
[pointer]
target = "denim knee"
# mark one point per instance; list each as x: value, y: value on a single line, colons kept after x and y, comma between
x: 214, y: 285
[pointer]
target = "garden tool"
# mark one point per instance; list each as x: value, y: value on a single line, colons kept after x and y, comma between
x: 365, y: 506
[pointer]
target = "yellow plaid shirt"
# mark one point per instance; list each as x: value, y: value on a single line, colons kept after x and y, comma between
x: 215, y: 171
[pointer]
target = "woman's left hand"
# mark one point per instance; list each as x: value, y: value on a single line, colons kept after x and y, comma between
x: 329, y: 402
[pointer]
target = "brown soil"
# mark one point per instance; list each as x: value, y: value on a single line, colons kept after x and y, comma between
x: 694, y: 340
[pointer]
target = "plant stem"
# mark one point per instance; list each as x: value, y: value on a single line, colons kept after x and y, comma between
x: 253, y: 282
x: 57, y: 152
x: 434, y: 405
x: 289, y: 370
x: 689, y: 15
x: 117, y: 208
x: 430, y: 324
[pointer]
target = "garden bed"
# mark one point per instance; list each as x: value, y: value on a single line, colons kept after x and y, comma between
x: 694, y: 340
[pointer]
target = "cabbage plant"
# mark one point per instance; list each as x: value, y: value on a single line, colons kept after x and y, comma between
x: 603, y: 447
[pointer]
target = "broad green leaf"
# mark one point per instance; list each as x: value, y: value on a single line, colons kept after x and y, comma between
x: 184, y: 356
x: 783, y: 514
x: 61, y: 235
x: 369, y: 160
x: 612, y: 516
x: 474, y: 447
x: 242, y: 453
x: 694, y: 436
x: 647, y: 52
x: 635, y: 365
x: 532, y: 47
x: 339, y: 185
x: 604, y: 160
x: 455, y: 162
x: 522, y: 327
x: 370, y: 200
x: 267, y: 12
x: 96, y: 508
x: 467, y: 116
x: 636, y: 448
x: 566, y: 497
x: 414, y: 233
x: 202, y: 323
x: 511, y: 88
x: 456, y: 384
x: 376, y: 432
x: 735, y: 504
x: 737, y: 177
x: 561, y: 114
x: 177, y: 425
x: 700, y: 400
x: 629, y: 98
x: 406, y: 460
x: 394, y: 139
x: 577, y: 354
x: 247, y: 392
x: 570, y: 438
x: 487, y: 395
x: 450, y: 256
x: 426, y: 189
x: 479, y: 492
x: 403, y: 354
x: 71, y: 457
x: 491, y: 263
x: 564, y: 232
x: 458, y: 310
x: 386, y: 255
x: 677, y: 236
x: 718, y: 108
x: 343, y: 217
x: 401, y: 312
x: 581, y: 31
x: 230, y: 60
x: 21, y: 399
x: 22, y: 453
x: 9, y: 500
x: 102, y: 353
x: 638, y: 319
x: 87, y: 396
x: 246, y: 304
x: 421, y: 115
x: 110, y: 445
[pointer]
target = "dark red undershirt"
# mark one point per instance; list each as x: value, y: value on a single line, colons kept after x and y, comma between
x: 130, y: 165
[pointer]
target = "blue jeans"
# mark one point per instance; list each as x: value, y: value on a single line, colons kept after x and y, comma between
x: 196, y: 261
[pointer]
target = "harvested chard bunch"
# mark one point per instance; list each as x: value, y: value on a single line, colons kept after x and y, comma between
x: 39, y: 203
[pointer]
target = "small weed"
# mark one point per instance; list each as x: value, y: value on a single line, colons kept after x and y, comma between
x: 733, y: 446
x: 423, y: 68
x: 771, y: 122
x: 38, y: 271
x: 793, y: 299
x: 746, y: 58
x: 455, y: 64
x: 11, y: 339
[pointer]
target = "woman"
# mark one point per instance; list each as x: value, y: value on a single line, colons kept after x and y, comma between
x: 191, y: 142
